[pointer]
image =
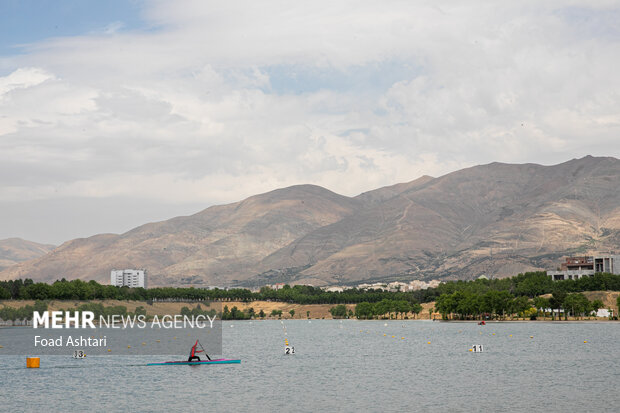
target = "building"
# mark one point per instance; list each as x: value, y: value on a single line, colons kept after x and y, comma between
x: 129, y: 278
x: 574, y: 268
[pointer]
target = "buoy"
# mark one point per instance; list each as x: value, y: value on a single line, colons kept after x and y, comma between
x: 143, y: 343
x: 493, y: 333
x: 128, y: 346
x: 471, y: 349
x: 393, y: 336
x: 428, y: 342
x: 402, y: 338
x: 109, y: 350
x: 33, y: 362
x: 1, y: 347
x: 157, y: 341
x: 585, y: 341
x: 384, y: 324
x: 531, y: 336
x: 510, y: 335
x: 384, y: 335
x: 174, y: 338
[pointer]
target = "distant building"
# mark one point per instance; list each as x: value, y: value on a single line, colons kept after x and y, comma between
x: 602, y: 312
x: 574, y: 268
x: 129, y: 278
x: 278, y: 286
x: 334, y: 289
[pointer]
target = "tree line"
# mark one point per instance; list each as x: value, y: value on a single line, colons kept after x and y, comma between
x: 502, y: 304
x: 530, y: 285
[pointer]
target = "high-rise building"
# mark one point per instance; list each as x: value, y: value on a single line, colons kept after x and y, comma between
x: 129, y: 278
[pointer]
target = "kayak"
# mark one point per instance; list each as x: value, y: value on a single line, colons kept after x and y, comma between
x: 193, y: 363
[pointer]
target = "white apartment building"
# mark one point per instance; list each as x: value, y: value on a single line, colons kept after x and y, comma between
x: 129, y: 278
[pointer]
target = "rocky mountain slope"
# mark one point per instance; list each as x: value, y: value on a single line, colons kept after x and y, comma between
x: 496, y: 219
x: 14, y: 250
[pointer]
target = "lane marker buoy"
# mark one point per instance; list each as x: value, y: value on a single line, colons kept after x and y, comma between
x: 33, y: 362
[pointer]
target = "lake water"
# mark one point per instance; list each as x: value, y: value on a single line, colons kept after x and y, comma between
x: 345, y: 366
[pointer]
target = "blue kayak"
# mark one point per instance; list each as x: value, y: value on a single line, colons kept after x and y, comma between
x: 195, y: 363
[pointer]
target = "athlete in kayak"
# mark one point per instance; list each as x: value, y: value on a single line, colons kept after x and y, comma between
x: 193, y: 352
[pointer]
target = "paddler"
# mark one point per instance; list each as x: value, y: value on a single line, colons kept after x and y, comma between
x: 194, y: 351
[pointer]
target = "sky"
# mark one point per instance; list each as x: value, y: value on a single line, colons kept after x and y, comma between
x: 118, y: 113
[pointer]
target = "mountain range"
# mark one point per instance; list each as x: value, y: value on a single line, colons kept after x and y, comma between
x: 496, y: 219
x: 14, y: 250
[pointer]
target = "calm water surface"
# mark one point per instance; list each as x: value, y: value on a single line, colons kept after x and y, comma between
x: 345, y: 366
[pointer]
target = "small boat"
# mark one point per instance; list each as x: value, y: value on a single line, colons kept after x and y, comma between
x: 195, y: 363
x: 194, y: 360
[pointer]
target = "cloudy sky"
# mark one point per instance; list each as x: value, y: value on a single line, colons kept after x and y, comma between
x: 117, y: 113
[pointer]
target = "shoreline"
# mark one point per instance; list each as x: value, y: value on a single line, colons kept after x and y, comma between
x: 316, y: 311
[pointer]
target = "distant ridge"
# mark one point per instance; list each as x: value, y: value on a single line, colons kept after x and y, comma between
x: 14, y: 250
x: 496, y: 219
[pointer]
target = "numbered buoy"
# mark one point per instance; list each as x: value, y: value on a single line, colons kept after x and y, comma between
x: 477, y: 348
x: 289, y: 350
x: 79, y: 354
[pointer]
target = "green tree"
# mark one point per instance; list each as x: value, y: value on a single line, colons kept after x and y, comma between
x: 339, y: 311
x: 557, y: 301
x: 4, y: 294
x: 292, y: 313
x: 364, y: 310
x: 307, y: 314
x: 520, y: 305
x: 542, y: 304
x: 261, y: 314
x: 596, y: 304
x: 416, y: 308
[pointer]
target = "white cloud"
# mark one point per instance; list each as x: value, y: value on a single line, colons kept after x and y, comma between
x: 224, y: 100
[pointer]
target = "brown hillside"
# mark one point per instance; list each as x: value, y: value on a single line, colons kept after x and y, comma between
x: 496, y: 219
